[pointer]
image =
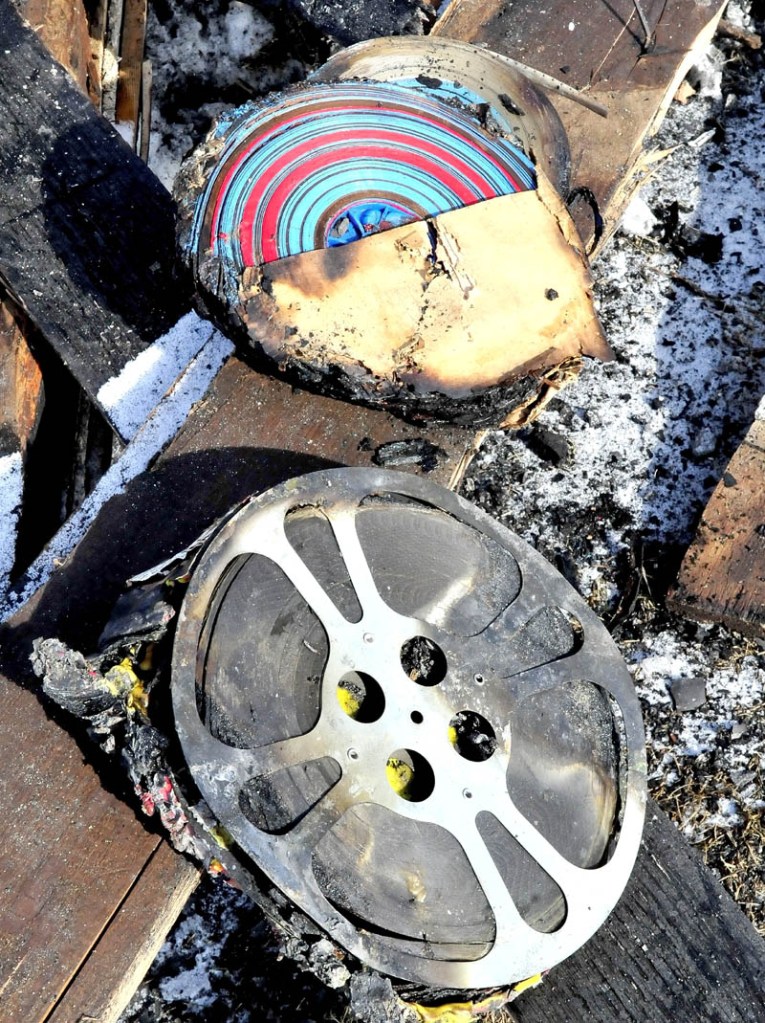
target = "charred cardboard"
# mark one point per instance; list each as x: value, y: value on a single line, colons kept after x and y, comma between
x: 473, y: 316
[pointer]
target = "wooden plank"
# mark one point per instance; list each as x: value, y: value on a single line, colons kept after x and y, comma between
x: 129, y: 82
x: 112, y: 972
x: 70, y: 853
x: 275, y: 431
x: 722, y: 577
x: 145, y: 134
x: 87, y: 233
x: 675, y: 949
x: 21, y: 385
x: 62, y: 25
x: 22, y: 401
x: 598, y: 46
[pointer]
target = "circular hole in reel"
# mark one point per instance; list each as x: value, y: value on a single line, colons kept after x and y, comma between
x: 410, y: 775
x: 470, y: 870
x: 423, y: 661
x: 472, y: 736
x: 361, y: 697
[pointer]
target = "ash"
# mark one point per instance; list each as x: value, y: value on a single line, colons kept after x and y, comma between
x: 608, y: 484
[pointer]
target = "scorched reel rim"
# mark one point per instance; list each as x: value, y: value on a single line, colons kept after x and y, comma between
x: 370, y: 728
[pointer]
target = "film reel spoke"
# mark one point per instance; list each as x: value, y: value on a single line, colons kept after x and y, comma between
x: 585, y: 665
x: 283, y: 554
x: 344, y: 527
x: 309, y: 830
x: 277, y: 756
x: 507, y: 919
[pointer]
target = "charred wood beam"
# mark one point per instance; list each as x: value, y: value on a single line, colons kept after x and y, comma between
x: 87, y: 237
x: 658, y: 956
x: 350, y: 23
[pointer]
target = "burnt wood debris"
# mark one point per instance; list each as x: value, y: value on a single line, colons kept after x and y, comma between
x: 89, y: 280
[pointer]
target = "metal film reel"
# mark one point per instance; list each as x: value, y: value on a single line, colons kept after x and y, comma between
x: 322, y: 165
x: 459, y: 73
x: 413, y: 724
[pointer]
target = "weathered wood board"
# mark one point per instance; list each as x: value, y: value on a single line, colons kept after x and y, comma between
x: 109, y: 977
x: 597, y: 46
x: 128, y: 106
x: 87, y: 233
x: 62, y: 26
x: 676, y: 949
x: 21, y: 386
x: 722, y: 577
x: 276, y: 431
x: 73, y: 860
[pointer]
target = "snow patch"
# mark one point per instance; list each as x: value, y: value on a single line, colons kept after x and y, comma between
x: 638, y: 220
x: 126, y: 131
x: 129, y: 397
x: 11, y: 488
x: 148, y: 442
x: 706, y: 74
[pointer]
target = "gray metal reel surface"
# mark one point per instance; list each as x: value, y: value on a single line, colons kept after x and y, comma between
x: 458, y: 71
x: 413, y: 724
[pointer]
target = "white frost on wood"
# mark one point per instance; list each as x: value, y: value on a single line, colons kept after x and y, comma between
x: 149, y: 441
x: 129, y: 397
x: 126, y: 131
x: 11, y: 486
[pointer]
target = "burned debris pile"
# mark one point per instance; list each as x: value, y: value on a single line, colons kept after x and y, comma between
x: 356, y: 697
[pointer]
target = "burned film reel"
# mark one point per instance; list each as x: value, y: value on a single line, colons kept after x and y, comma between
x: 413, y: 725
